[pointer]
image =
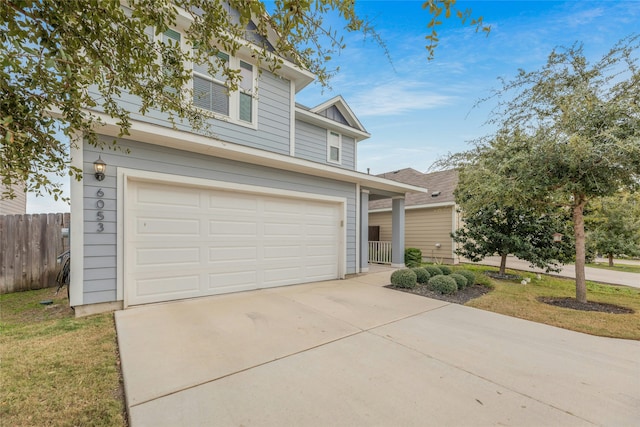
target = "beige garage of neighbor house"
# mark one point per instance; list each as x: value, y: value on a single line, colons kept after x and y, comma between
x: 429, y: 217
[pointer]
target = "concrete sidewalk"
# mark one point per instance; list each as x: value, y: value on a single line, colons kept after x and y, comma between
x: 353, y: 353
x: 593, y: 274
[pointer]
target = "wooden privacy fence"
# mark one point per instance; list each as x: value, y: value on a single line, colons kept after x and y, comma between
x: 29, y: 246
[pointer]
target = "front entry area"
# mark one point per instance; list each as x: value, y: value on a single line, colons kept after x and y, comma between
x: 184, y: 241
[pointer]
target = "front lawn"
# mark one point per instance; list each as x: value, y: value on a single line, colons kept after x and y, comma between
x: 514, y: 299
x: 57, y: 370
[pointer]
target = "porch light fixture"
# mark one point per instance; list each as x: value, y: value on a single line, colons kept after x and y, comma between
x: 557, y: 237
x: 100, y: 168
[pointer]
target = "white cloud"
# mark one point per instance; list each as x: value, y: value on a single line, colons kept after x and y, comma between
x: 397, y: 97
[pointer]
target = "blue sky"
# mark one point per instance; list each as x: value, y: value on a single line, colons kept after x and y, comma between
x: 417, y: 110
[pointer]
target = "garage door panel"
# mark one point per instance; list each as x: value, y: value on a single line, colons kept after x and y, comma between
x: 226, y: 202
x: 168, y: 285
x: 287, y: 207
x: 283, y: 230
x: 275, y: 252
x: 158, y: 196
x: 167, y: 226
x: 232, y: 228
x: 316, y: 250
x: 229, y: 254
x: 237, y: 280
x: 158, y: 257
x: 282, y: 276
x: 183, y: 242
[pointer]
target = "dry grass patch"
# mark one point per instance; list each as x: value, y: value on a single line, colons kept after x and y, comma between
x: 517, y: 300
x: 57, y: 370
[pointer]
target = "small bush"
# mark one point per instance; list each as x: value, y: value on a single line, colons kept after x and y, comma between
x: 433, y: 270
x: 469, y: 275
x: 461, y: 281
x: 404, y: 278
x: 443, y: 284
x: 412, y: 257
x: 446, y: 270
x: 484, y: 280
x: 422, y: 274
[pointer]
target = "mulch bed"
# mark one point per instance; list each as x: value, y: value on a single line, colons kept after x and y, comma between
x: 499, y: 276
x: 460, y: 297
x: 573, y: 304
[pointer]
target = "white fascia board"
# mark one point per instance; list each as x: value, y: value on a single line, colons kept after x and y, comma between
x: 318, y: 120
x: 343, y: 107
x: 407, y: 208
x: 187, y: 141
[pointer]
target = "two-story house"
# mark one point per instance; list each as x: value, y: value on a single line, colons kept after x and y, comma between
x: 272, y: 199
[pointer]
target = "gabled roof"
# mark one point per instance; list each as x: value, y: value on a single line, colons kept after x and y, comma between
x: 441, y: 186
x: 347, y: 125
x: 341, y: 105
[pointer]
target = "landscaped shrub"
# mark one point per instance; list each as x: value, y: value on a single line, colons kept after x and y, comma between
x: 433, y: 270
x: 404, y: 278
x: 461, y: 281
x: 469, y: 275
x: 422, y: 274
x: 443, y: 284
x: 446, y: 270
x: 412, y: 257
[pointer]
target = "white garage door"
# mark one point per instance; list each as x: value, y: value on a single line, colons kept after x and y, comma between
x: 184, y: 242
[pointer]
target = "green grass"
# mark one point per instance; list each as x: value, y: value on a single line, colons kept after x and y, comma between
x: 514, y: 299
x: 627, y: 268
x: 57, y: 370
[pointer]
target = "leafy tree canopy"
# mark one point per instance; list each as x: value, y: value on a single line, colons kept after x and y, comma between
x: 613, y: 225
x: 55, y: 51
x: 569, y: 133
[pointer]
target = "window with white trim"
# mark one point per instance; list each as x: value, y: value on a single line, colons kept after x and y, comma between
x: 334, y: 147
x: 210, y: 92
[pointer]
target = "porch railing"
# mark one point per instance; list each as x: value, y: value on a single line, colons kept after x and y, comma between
x: 380, y: 252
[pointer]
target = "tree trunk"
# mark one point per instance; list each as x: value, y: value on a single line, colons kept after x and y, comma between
x: 578, y: 228
x: 610, y: 260
x: 503, y: 263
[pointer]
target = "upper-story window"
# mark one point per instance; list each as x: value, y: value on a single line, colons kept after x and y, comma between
x: 211, y: 92
x: 334, y: 147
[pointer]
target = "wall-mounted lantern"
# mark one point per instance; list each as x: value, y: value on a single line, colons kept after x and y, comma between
x: 100, y: 168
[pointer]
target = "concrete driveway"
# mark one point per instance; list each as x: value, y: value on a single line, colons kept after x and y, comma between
x: 352, y: 353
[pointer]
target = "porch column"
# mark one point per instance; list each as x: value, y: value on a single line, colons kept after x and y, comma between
x: 364, y: 231
x: 397, y: 232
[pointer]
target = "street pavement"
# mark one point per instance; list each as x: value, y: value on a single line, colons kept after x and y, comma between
x: 594, y: 274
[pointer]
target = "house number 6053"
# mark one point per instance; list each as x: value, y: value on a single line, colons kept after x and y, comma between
x: 100, y: 214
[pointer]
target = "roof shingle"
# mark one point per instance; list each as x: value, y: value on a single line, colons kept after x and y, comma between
x: 442, y: 183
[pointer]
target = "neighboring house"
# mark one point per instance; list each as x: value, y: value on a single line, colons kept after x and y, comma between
x: 273, y: 199
x: 429, y: 217
x: 15, y: 206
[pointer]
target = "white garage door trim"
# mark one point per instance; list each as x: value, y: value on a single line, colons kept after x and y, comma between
x: 127, y: 176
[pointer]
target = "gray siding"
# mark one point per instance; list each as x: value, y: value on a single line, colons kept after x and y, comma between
x: 334, y: 114
x: 311, y: 144
x: 272, y: 133
x: 100, y: 248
